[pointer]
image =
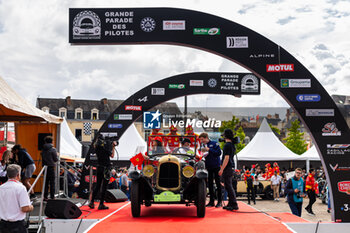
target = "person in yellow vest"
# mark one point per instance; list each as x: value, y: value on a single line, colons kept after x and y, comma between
x: 173, y: 139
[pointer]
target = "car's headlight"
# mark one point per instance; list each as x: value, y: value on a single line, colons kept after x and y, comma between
x: 188, y: 171
x: 148, y: 170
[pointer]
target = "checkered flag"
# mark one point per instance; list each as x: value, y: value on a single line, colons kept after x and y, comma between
x: 87, y: 128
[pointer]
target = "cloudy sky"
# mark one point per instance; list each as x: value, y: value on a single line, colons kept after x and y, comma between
x: 37, y: 60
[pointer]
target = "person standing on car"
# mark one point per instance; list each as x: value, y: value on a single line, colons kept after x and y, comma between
x: 310, y: 188
x: 227, y: 165
x: 104, y: 150
x: 275, y: 184
x: 212, y: 152
x: 49, y: 157
x: 295, y: 192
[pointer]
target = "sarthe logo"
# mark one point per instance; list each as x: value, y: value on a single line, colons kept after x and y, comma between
x: 152, y: 120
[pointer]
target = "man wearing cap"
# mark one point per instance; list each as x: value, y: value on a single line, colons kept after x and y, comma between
x: 155, y: 133
x: 227, y: 164
x: 249, y: 179
x: 212, y: 152
x: 193, y: 137
x: 172, y: 139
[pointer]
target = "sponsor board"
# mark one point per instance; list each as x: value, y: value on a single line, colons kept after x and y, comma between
x: 196, y: 83
x: 344, y: 187
x: 261, y: 55
x: 174, y: 25
x: 133, y: 107
x: 206, y: 31
x: 212, y: 82
x: 115, y: 126
x: 237, y: 42
x: 118, y: 23
x: 338, y: 168
x: 295, y: 83
x: 152, y: 120
x: 144, y: 99
x: 86, y: 26
x: 345, y: 208
x: 229, y: 82
x: 148, y: 24
x: 279, y: 67
x: 319, y: 112
x: 330, y: 129
x: 338, y: 149
x: 122, y: 117
x: 249, y: 83
x: 308, y: 98
x: 158, y: 91
x: 177, y: 86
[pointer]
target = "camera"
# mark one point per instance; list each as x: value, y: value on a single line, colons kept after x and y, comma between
x: 299, y: 194
x: 235, y: 140
x: 106, y: 142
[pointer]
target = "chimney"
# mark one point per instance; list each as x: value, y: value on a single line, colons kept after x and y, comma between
x: 68, y: 101
x: 104, y: 101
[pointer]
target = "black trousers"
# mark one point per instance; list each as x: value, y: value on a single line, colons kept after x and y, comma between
x: 251, y: 194
x: 101, y: 185
x: 13, y: 227
x: 214, y: 174
x: 312, y: 198
x: 227, y: 176
x: 50, y: 181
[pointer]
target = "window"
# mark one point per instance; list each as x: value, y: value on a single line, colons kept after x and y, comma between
x: 63, y: 112
x: 78, y: 135
x: 94, y: 114
x: 46, y: 109
x: 78, y: 113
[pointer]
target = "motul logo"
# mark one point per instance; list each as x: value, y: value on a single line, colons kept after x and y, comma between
x: 280, y: 68
x: 133, y: 108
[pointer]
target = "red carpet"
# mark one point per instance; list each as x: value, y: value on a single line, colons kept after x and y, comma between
x: 182, y: 219
x: 287, y: 217
x: 99, y: 214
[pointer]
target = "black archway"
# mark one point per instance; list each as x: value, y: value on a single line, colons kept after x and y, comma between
x: 256, y: 53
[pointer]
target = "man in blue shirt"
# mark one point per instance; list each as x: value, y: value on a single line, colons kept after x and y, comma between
x: 295, y: 192
x: 212, y: 152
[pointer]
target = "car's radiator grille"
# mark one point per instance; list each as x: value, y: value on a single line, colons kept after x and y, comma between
x: 168, y: 175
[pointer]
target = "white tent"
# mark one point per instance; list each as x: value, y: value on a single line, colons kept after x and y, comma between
x: 311, y: 154
x: 130, y: 144
x: 265, y: 146
x: 69, y: 145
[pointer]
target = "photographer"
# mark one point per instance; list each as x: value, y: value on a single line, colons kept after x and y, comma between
x: 104, y: 148
x: 295, y: 192
x: 227, y: 165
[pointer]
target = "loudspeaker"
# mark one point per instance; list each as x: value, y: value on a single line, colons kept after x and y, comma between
x: 115, y: 195
x: 62, y: 209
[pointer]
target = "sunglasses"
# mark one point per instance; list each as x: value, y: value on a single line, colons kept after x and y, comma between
x: 298, y: 173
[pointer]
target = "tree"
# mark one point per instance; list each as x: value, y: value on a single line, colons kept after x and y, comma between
x: 275, y: 129
x: 295, y: 141
x: 233, y: 124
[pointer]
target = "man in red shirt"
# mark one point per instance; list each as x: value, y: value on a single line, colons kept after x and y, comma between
x: 172, y: 139
x: 248, y: 179
x: 155, y: 133
x: 195, y: 142
x: 310, y: 188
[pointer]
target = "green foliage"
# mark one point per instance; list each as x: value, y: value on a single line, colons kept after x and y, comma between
x: 275, y: 129
x: 232, y: 124
x: 295, y: 141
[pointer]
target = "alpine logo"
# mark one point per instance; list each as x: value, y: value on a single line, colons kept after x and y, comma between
x: 144, y: 99
x: 279, y: 67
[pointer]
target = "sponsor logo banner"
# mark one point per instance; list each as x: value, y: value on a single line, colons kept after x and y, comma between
x: 158, y: 91
x: 319, y: 112
x: 330, y: 129
x: 249, y: 83
x: 133, y: 107
x: 122, y: 117
x: 177, y: 86
x: 87, y: 26
x: 344, y: 187
x: 144, y: 99
x: 338, y: 168
x: 261, y: 55
x: 237, y: 42
x: 212, y: 82
x: 308, y: 98
x: 206, y: 31
x: 279, y: 67
x: 338, y: 149
x: 295, y: 83
x: 169, y: 25
x: 152, y: 120
x: 115, y: 126
x: 197, y: 83
x: 148, y: 24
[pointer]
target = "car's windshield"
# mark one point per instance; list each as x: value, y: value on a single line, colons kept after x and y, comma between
x: 172, y: 144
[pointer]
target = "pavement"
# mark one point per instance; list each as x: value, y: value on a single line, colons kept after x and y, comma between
x: 267, y: 206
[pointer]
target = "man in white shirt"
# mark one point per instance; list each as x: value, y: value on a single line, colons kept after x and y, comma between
x: 14, y: 202
x: 275, y: 184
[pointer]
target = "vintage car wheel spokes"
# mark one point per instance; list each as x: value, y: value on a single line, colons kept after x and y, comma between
x: 201, y: 198
x: 135, y: 199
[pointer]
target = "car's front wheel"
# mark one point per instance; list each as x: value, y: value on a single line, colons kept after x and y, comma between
x: 135, y: 199
x: 201, y: 198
